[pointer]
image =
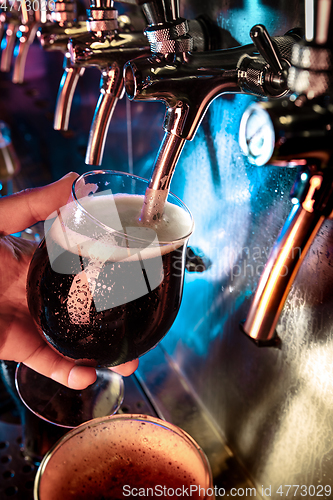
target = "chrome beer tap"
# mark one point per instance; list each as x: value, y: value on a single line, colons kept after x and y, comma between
x: 187, y: 82
x: 10, y: 24
x: 108, y: 47
x: 31, y: 19
x: 295, y: 132
x: 21, y: 19
x: 65, y: 24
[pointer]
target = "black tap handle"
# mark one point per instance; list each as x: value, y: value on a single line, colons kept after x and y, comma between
x: 266, y: 47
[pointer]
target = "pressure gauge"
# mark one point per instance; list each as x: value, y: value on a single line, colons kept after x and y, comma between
x: 257, y: 135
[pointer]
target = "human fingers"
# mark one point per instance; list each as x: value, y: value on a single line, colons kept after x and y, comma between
x: 126, y: 369
x: 24, y: 344
x: 25, y: 208
x: 50, y: 364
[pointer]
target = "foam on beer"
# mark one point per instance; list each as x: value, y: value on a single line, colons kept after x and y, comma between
x: 99, y: 461
x: 157, y: 238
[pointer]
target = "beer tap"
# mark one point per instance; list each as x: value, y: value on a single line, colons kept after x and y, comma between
x: 295, y: 132
x: 10, y: 23
x: 31, y: 19
x: 115, y: 48
x: 187, y: 82
x: 107, y: 46
x: 66, y: 24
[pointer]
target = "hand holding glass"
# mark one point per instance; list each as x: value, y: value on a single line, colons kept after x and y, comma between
x: 103, y: 287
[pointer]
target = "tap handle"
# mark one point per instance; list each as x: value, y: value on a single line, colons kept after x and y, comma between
x: 267, y: 74
x: 266, y: 47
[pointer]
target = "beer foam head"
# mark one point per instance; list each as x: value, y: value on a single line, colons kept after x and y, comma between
x: 109, y: 227
x: 97, y: 460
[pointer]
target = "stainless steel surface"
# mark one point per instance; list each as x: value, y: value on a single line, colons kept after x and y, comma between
x: 176, y: 402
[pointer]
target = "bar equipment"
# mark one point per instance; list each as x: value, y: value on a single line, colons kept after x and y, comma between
x: 65, y: 23
x: 32, y: 17
x: 103, y: 289
x: 272, y: 406
x: 20, y: 20
x: 108, y: 48
x: 188, y: 82
x: 111, y: 47
x: 294, y: 132
x: 10, y: 22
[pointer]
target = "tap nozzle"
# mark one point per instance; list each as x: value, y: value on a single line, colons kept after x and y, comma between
x: 66, y: 92
x: 55, y: 36
x: 107, y: 47
x: 293, y: 132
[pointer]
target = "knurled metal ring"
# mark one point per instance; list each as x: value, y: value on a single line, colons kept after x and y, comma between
x: 167, y: 31
x: 102, y: 25
x: 312, y: 58
x: 172, y: 46
x: 102, y: 14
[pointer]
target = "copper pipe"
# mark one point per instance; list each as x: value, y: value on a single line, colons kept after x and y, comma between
x: 282, y: 266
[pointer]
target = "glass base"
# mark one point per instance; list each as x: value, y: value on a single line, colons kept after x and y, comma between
x: 66, y: 407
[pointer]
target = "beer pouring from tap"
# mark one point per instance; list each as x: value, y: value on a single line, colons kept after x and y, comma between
x: 187, y: 82
x: 294, y: 132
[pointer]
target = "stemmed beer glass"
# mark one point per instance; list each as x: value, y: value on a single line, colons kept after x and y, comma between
x: 103, y: 287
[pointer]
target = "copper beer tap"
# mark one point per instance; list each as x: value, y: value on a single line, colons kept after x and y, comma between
x: 294, y: 132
